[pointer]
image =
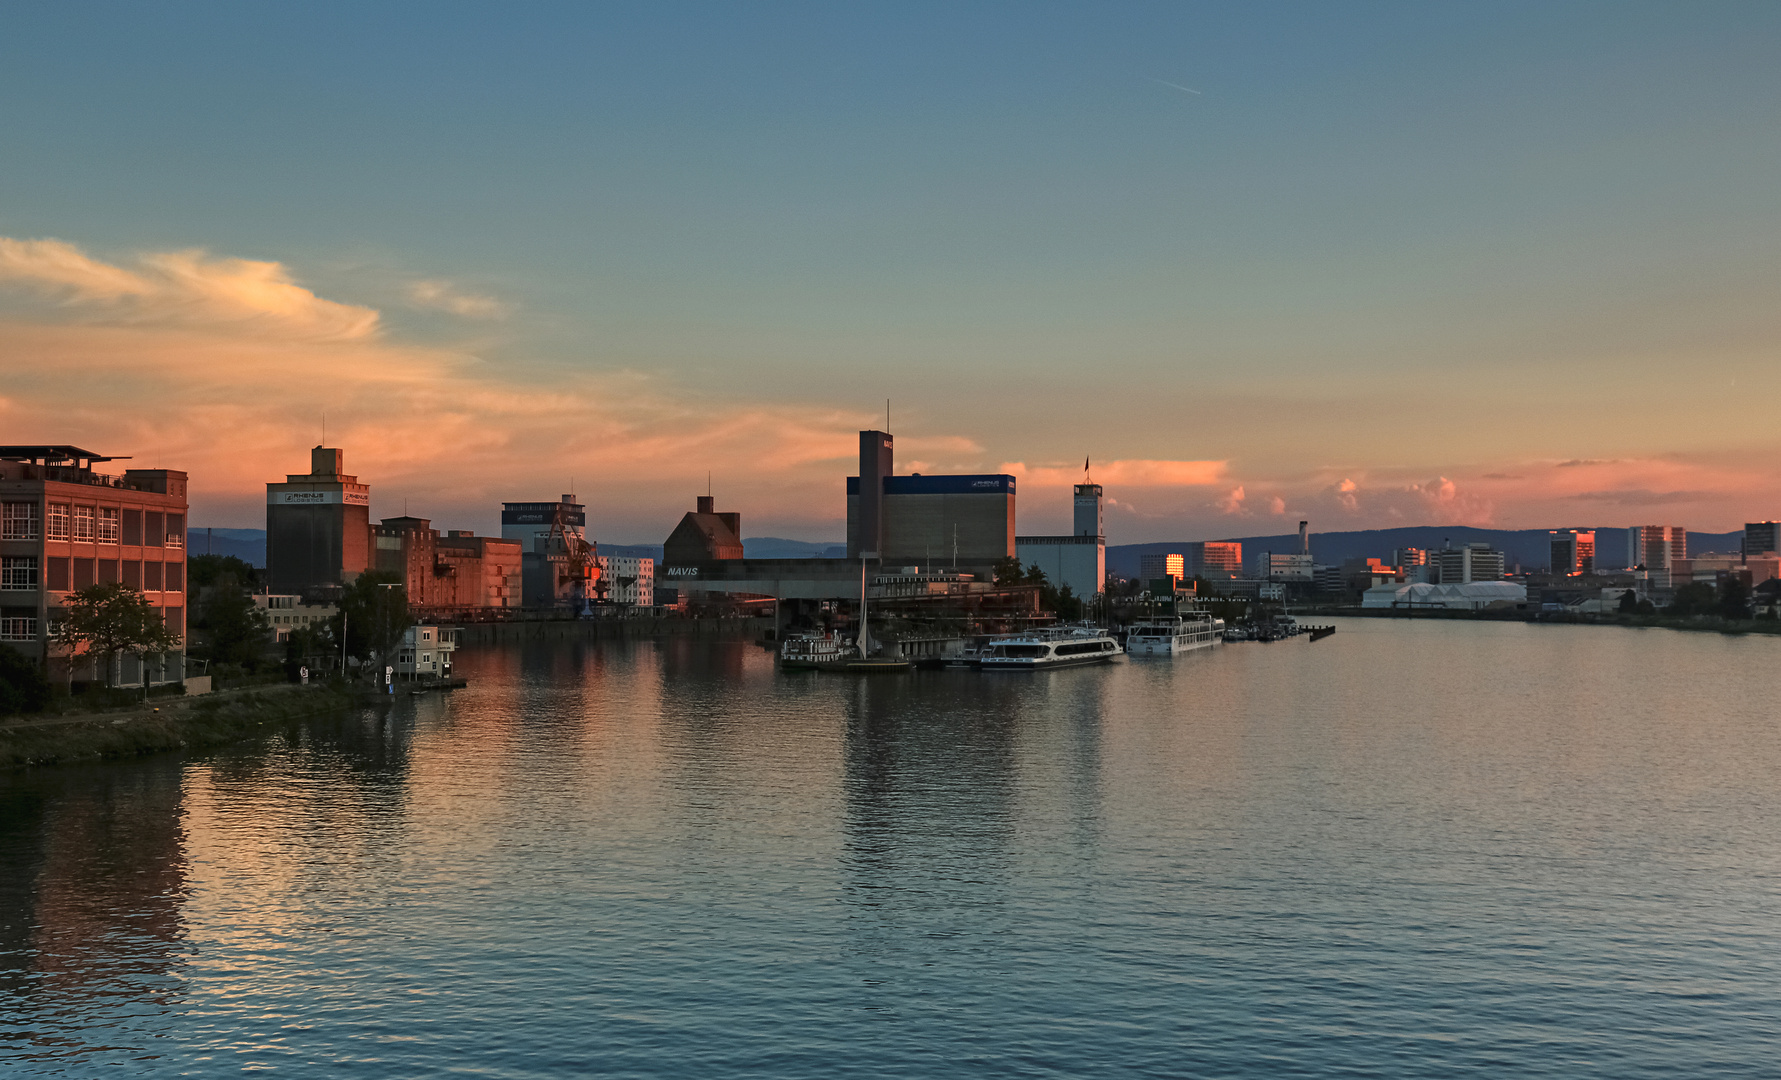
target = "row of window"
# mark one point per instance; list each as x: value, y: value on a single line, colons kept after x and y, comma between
x: 64, y: 574
x: 93, y: 524
x: 23, y: 627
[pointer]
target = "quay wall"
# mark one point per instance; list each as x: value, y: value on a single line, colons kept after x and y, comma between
x: 631, y: 629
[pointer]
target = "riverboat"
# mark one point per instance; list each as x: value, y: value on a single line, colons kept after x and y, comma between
x: 828, y: 652
x: 1172, y: 635
x: 1052, y: 648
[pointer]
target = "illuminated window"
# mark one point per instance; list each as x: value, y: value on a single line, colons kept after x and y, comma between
x: 20, y: 521
x: 108, y: 525
x: 83, y: 523
x: 56, y: 521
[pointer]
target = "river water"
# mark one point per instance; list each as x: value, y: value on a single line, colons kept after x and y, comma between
x: 1413, y: 849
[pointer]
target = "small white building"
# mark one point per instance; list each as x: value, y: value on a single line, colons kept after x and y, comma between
x: 288, y: 612
x: 425, y: 652
x: 1466, y: 596
x: 627, y: 581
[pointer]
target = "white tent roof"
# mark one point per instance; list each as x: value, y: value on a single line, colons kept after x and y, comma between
x: 1469, y: 594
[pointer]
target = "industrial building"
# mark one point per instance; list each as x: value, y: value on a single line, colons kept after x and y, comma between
x: 961, y: 522
x: 1079, y: 560
x: 626, y: 581
x: 457, y: 572
x: 560, y: 568
x: 1293, y: 568
x: 1464, y: 596
x: 65, y: 526
x: 318, y: 526
x: 1573, y: 551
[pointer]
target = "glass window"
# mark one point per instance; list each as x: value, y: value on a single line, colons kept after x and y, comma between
x: 176, y: 577
x: 20, y: 521
x: 108, y: 525
x: 57, y: 574
x: 176, y: 530
x: 18, y: 628
x: 133, y: 574
x: 18, y: 572
x: 83, y: 573
x: 133, y: 528
x: 83, y: 523
x: 154, y: 529
x: 151, y: 577
x: 56, y: 521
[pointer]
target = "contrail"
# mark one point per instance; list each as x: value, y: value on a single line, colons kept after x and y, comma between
x: 1177, y: 86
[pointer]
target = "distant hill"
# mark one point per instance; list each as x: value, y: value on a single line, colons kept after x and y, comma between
x: 248, y: 545
x: 1529, y: 548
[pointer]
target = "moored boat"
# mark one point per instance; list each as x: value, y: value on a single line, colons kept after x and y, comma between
x: 1172, y: 635
x: 1052, y: 648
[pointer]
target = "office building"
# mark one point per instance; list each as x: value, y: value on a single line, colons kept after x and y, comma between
x: 318, y: 526
x: 964, y: 521
x: 1573, y: 551
x: 1762, y: 537
x: 531, y: 522
x: 1466, y: 564
x: 1078, y: 560
x: 288, y: 612
x: 65, y: 526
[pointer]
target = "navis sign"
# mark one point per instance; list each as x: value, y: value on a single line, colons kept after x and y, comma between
x: 680, y: 571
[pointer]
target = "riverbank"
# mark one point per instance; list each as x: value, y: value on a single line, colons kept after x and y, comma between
x: 162, y: 724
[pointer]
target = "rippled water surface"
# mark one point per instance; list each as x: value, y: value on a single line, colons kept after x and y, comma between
x: 1413, y: 849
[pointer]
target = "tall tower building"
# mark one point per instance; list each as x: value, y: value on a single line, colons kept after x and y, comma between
x: 875, y: 466
x: 1089, y: 521
x: 1762, y: 536
x: 318, y: 526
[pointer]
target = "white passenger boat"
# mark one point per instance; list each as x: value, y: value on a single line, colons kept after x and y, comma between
x: 1052, y: 648
x: 1172, y: 635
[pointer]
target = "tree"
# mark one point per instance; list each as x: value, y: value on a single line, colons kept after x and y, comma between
x: 23, y: 687
x: 1629, y: 602
x: 112, y: 619
x: 1694, y: 598
x: 235, y: 631
x: 1008, y: 571
x: 1734, y: 598
x: 375, y: 616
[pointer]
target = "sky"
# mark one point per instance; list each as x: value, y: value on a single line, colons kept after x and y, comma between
x: 1498, y: 264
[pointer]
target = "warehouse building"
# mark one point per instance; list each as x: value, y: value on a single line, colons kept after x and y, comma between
x: 963, y: 522
x: 457, y: 572
x: 1078, y: 560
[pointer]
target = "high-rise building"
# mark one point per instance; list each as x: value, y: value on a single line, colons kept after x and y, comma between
x: 318, y: 526
x: 1222, y: 557
x: 65, y: 526
x: 1573, y: 551
x: 1658, y: 549
x: 1078, y: 560
x: 1761, y: 537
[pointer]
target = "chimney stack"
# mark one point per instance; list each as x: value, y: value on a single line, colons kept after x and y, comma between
x: 1304, y: 538
x: 706, y: 504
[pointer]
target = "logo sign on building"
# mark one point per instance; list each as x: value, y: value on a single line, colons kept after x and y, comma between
x: 682, y: 571
x: 318, y: 498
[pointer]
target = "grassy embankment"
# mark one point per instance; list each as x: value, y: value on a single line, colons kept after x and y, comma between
x: 161, y: 724
x: 1709, y: 623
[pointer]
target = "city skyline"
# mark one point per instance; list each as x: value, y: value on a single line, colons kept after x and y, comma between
x: 1380, y: 266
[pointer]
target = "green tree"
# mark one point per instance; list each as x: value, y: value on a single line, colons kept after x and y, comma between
x: 112, y: 619
x: 23, y: 686
x: 1008, y: 571
x: 375, y: 610
x: 1034, y: 575
x: 235, y: 631
x: 1629, y: 602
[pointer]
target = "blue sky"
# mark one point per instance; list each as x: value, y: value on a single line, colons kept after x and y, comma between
x: 1382, y: 255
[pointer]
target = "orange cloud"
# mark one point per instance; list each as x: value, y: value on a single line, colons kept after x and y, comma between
x: 184, y: 287
x: 1136, y: 473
